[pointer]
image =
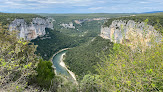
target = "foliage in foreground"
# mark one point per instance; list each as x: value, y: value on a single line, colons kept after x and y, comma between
x: 125, y: 70
x: 20, y: 69
x: 17, y: 61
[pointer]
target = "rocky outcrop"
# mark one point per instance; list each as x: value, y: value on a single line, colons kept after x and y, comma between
x: 131, y: 33
x: 93, y: 19
x: 69, y: 25
x: 33, y: 30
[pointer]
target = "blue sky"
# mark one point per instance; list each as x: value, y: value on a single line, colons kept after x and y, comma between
x: 80, y: 6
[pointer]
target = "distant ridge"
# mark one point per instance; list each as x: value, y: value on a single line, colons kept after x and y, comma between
x: 153, y: 12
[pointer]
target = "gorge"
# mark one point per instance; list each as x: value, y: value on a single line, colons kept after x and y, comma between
x: 81, y: 53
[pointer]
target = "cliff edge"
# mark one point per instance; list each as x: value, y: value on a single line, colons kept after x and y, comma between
x: 131, y: 33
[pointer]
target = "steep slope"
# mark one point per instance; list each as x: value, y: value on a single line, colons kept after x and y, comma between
x: 81, y: 60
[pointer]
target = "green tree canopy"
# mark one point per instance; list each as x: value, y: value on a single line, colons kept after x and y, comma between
x: 45, y: 73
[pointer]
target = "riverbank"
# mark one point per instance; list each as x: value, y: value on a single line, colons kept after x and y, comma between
x: 61, y: 54
x: 51, y: 59
x: 63, y: 65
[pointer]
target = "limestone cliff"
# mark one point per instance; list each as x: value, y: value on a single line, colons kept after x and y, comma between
x: 33, y: 30
x: 130, y: 33
x: 69, y: 25
x: 93, y: 19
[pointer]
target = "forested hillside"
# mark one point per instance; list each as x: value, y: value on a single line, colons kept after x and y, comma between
x: 83, y: 59
x: 61, y: 37
x: 91, y: 27
x: 18, y: 63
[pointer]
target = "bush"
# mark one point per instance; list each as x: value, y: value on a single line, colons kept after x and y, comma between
x: 45, y: 74
x: 125, y: 70
x: 17, y: 61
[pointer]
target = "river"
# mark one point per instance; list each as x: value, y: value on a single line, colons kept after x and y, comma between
x: 60, y: 67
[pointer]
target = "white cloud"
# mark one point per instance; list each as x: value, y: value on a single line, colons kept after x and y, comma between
x: 144, y: 2
x: 49, y: 2
x: 83, y: 5
x: 96, y: 8
x: 44, y: 3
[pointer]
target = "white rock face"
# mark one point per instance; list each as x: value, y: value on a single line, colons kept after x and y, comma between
x: 84, y: 20
x: 131, y: 33
x: 69, y: 25
x: 33, y: 30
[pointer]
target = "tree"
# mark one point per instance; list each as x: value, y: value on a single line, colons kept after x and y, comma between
x: 45, y: 74
x: 90, y: 83
x: 17, y: 61
x: 126, y: 70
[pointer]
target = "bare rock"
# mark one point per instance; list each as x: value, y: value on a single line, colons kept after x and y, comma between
x: 33, y: 30
x: 131, y: 33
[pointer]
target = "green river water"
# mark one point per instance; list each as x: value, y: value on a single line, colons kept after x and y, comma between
x: 56, y: 62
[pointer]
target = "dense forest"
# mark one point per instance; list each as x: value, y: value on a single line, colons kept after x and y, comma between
x: 83, y: 59
x: 91, y: 27
x: 54, y: 41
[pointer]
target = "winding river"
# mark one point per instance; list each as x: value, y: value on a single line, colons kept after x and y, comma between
x: 56, y: 62
x: 60, y: 66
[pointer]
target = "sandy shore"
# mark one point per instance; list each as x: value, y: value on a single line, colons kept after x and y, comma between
x: 63, y: 65
x: 57, y: 53
x: 51, y: 59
